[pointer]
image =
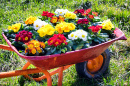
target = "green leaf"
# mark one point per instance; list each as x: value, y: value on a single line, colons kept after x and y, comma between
x: 86, y: 45
x: 99, y: 31
x: 53, y: 49
x: 63, y: 50
x: 104, y: 36
x: 96, y: 40
x: 113, y: 29
x: 79, y: 46
x: 101, y: 39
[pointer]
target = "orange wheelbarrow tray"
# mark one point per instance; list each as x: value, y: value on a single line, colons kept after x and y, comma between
x: 63, y: 61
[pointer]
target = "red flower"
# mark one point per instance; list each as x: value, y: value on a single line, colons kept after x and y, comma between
x: 57, y: 39
x: 47, y: 14
x: 79, y: 11
x: 57, y: 42
x: 86, y: 12
x: 91, y: 16
x: 23, y: 36
x: 83, y: 21
x: 95, y: 28
x: 95, y: 13
x: 50, y: 15
x: 44, y: 13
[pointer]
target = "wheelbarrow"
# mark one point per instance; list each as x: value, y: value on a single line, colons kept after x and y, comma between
x: 90, y: 62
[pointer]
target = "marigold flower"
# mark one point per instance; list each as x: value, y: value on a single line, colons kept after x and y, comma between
x: 15, y: 27
x: 107, y: 25
x: 30, y: 20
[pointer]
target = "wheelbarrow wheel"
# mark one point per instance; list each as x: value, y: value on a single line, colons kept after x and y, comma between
x: 94, y: 68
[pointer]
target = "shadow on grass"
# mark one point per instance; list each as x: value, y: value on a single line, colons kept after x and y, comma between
x: 24, y: 81
x: 80, y: 81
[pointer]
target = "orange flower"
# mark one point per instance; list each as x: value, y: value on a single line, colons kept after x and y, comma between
x: 42, y: 44
x: 54, y: 19
x: 33, y: 51
x: 39, y: 49
x: 61, y: 19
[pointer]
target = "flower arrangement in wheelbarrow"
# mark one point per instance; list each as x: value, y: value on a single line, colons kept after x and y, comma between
x: 59, y: 32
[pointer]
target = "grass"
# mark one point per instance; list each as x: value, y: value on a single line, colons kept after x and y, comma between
x: 118, y: 11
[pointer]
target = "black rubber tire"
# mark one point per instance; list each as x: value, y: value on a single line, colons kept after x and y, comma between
x: 83, y: 72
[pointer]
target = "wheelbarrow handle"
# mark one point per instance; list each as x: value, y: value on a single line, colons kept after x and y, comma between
x: 5, y: 47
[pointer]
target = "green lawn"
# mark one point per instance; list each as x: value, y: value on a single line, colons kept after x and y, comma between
x: 118, y: 11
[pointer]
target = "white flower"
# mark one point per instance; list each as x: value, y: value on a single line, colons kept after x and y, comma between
x: 38, y: 24
x: 71, y: 36
x: 81, y: 34
x: 61, y: 12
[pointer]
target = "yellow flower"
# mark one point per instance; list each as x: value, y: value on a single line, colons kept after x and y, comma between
x: 46, y: 30
x: 70, y: 15
x: 59, y: 28
x: 30, y: 20
x: 15, y: 27
x: 107, y: 25
x: 71, y: 26
x: 50, y: 30
x: 64, y: 27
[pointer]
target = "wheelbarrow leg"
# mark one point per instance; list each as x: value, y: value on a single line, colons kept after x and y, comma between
x: 60, y: 76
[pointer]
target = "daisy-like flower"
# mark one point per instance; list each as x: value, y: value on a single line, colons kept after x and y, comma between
x: 78, y: 34
x: 38, y: 24
x: 83, y: 35
x: 61, y: 12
